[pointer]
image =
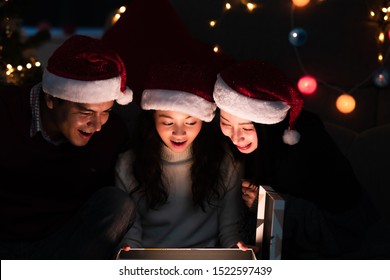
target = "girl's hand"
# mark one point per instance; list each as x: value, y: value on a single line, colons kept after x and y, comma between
x: 126, y: 247
x: 241, y: 245
x: 250, y: 192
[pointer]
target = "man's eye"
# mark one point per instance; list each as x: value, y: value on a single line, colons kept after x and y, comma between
x: 86, y: 113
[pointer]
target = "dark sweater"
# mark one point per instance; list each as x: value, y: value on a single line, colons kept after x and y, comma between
x: 43, y: 185
x: 327, y: 211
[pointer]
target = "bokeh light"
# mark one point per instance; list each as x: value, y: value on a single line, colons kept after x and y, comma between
x: 297, y: 37
x: 300, y: 3
x: 345, y: 103
x: 382, y: 78
x: 307, y: 85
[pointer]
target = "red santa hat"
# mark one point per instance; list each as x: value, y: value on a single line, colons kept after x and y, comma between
x: 85, y: 70
x: 144, y: 36
x: 180, y: 87
x: 257, y: 91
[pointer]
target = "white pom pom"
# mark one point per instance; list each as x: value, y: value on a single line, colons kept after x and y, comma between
x: 126, y: 97
x: 291, y: 137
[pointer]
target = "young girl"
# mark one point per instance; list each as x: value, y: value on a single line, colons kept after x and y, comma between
x: 185, y: 185
x: 285, y: 147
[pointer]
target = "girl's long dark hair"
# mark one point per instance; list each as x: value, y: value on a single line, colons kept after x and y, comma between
x: 208, y: 153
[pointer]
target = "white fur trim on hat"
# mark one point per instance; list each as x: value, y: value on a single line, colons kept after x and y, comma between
x: 86, y: 91
x: 256, y: 110
x: 180, y: 101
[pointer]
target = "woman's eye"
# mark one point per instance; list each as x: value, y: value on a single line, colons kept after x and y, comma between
x: 167, y: 123
x: 191, y: 123
x: 248, y: 129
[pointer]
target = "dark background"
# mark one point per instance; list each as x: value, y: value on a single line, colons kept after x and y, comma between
x: 90, y: 13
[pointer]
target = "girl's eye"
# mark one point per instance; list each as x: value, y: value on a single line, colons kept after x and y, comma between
x: 248, y: 129
x: 224, y: 124
x: 167, y: 123
x: 191, y: 123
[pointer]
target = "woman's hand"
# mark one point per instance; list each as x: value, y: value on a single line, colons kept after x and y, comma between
x: 250, y: 192
x: 126, y: 247
x: 241, y: 245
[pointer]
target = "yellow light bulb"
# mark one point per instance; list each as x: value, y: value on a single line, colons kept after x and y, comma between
x: 250, y: 7
x: 381, y: 37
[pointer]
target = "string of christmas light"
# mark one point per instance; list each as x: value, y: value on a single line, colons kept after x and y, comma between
x: 117, y: 15
x: 228, y: 5
x: 17, y: 64
x: 16, y: 75
x: 307, y: 84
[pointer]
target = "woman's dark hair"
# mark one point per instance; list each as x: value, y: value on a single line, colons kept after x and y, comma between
x: 208, y: 153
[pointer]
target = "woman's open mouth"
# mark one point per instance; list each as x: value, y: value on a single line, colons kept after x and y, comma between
x: 244, y: 148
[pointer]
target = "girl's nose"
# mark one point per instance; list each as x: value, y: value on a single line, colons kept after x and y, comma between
x: 236, y: 136
x: 179, y: 130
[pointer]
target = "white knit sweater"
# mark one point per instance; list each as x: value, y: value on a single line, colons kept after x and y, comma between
x: 178, y: 223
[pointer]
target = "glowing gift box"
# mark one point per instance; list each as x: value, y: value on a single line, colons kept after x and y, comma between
x: 186, y: 254
x: 269, y: 236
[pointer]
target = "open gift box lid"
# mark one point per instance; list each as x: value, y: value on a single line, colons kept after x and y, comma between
x: 186, y: 254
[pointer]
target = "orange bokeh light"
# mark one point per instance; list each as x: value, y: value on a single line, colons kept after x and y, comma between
x: 300, y: 3
x: 345, y: 103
